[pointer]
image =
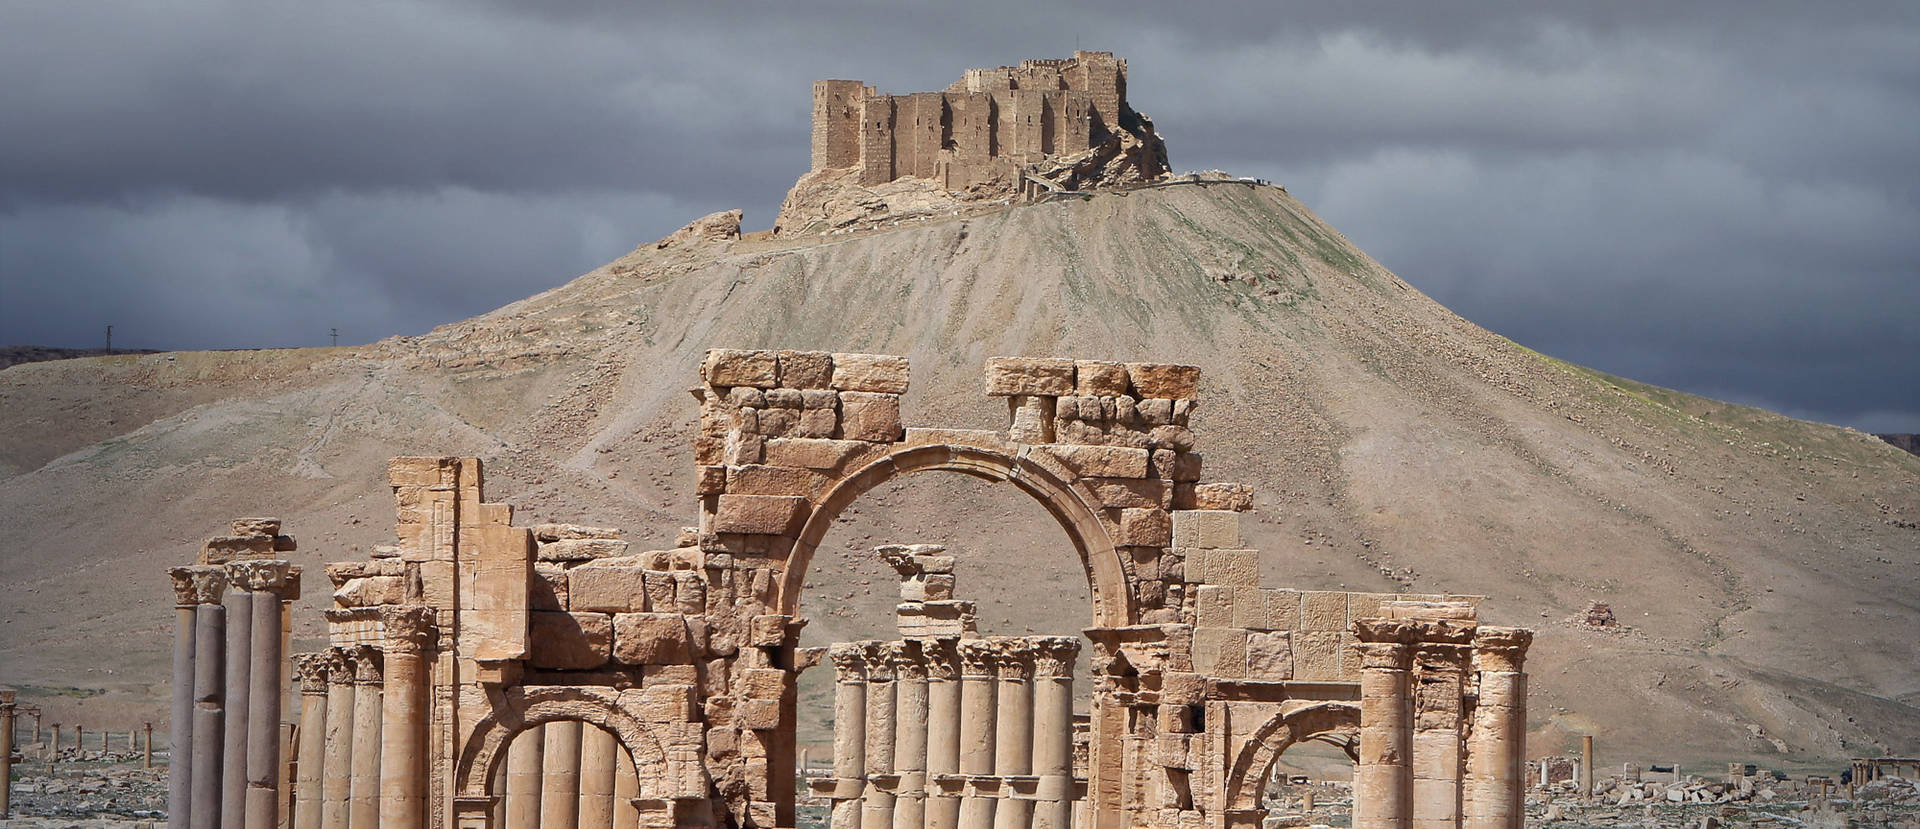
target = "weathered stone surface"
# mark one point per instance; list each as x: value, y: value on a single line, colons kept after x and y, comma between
x: 870, y: 416
x: 371, y: 591
x: 1100, y: 379
x: 814, y: 453
x: 1147, y: 527
x: 256, y: 526
x: 569, y: 641
x: 1128, y: 492
x: 582, y: 549
x: 1101, y: 461
x: 766, y: 514
x: 985, y: 438
x: 870, y: 372
x: 723, y: 226
x: 1269, y: 656
x: 1164, y: 380
x: 547, y: 590
x: 651, y: 639
x: 591, y: 587
x: 1220, y: 651
x: 1316, y: 656
x: 1323, y: 611
x: 1029, y: 375
x: 570, y: 532
x: 806, y: 369
x: 761, y: 479
x: 1207, y: 529
x: 1223, y: 496
x: 732, y: 367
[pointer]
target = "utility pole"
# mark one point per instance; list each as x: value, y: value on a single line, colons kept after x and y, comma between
x: 335, y: 333
x: 109, y: 339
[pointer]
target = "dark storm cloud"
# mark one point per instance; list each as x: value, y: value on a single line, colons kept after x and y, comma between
x: 1719, y: 197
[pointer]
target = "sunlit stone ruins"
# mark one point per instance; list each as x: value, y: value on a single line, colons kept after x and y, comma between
x: 485, y: 674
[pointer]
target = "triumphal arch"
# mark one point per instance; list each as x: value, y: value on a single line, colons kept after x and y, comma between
x: 486, y: 674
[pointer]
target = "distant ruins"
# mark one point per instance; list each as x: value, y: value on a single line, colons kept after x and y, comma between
x: 1045, y: 125
x: 484, y: 674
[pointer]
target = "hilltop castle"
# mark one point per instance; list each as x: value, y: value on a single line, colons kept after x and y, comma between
x: 1060, y: 124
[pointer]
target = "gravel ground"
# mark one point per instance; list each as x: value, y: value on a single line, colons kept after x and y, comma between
x: 88, y: 791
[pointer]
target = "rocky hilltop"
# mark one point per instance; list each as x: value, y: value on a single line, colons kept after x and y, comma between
x: 1762, y: 574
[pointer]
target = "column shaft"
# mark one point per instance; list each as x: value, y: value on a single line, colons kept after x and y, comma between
x: 363, y: 801
x: 233, y: 754
x: 1439, y: 695
x: 404, y: 717
x: 910, y: 740
x: 6, y: 754
x: 943, y: 747
x: 526, y: 755
x: 1496, y: 754
x: 597, y: 747
x: 263, y: 712
x: 626, y: 787
x: 311, y: 755
x: 1013, y: 736
x: 877, y: 804
x: 560, y: 779
x: 336, y: 766
x: 209, y: 656
x: 1383, y: 782
x: 180, y: 730
x: 849, y: 735
x: 1053, y: 751
x: 977, y: 727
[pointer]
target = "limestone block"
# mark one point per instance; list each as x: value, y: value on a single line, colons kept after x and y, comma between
x: 1101, y: 461
x: 545, y: 533
x: 1154, y: 411
x: 689, y: 593
x: 1164, y: 380
x: 816, y: 423
x: 806, y: 369
x: 814, y: 453
x: 1097, y: 378
x: 667, y: 703
x: 763, y: 683
x: 660, y: 588
x: 746, y: 397
x: 1031, y: 418
x: 767, y: 631
x: 1269, y: 656
x: 712, y: 480
x: 1182, y: 687
x: 1208, y: 529
x: 268, y: 527
x: 735, y: 367
x: 1220, y: 651
x: 1029, y: 375
x: 769, y: 423
x: 415, y: 471
x: 1128, y: 492
x: 939, y: 587
x: 870, y: 416
x: 1249, y: 608
x: 221, y: 549
x: 1148, y: 527
x: 986, y: 438
x: 762, y: 479
x: 1177, y: 438
x: 1283, y: 609
x: 1186, y: 466
x: 767, y: 514
x: 784, y: 398
x: 1223, y: 496
x: 1213, y: 606
x: 651, y: 639
x: 1235, y: 567
x: 1323, y: 611
x: 372, y: 591
x: 1316, y: 656
x: 882, y: 373
x: 606, y: 589
x: 569, y: 641
x: 1367, y: 605
x: 581, y: 549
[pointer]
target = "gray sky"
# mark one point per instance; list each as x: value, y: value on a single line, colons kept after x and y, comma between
x: 1720, y: 197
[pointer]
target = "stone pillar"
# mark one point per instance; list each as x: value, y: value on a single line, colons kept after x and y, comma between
x: 209, y: 714
x: 1054, y: 658
x: 526, y: 756
x: 849, y: 733
x: 1013, y: 730
x: 363, y: 800
x: 190, y: 586
x: 1383, y: 782
x: 943, y: 728
x: 560, y: 776
x: 597, y: 750
x: 336, y: 766
x: 410, y: 634
x: 233, y: 740
x: 146, y: 745
x: 910, y: 734
x: 310, y: 755
x: 6, y: 754
x: 979, y: 663
x: 626, y: 787
x: 1496, y: 751
x: 1438, y: 706
x: 263, y: 581
x: 876, y: 806
x: 1586, y: 767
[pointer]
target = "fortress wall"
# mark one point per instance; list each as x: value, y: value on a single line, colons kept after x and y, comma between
x: 1029, y: 113
x: 919, y: 127
x: 836, y: 124
x: 876, y: 139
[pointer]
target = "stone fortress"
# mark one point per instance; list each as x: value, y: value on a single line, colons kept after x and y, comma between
x: 1045, y: 125
x: 485, y: 674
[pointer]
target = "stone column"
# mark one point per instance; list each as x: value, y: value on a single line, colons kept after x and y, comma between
x: 310, y: 755
x: 6, y: 754
x: 190, y: 585
x: 626, y: 787
x: 560, y: 776
x: 526, y: 756
x: 146, y: 745
x: 849, y: 733
x: 209, y: 714
x: 1496, y: 751
x: 1439, y: 695
x: 336, y: 766
x: 1054, y: 658
x: 263, y: 581
x: 597, y: 749
x: 979, y: 663
x: 1586, y: 767
x: 410, y: 634
x: 363, y: 800
x: 876, y: 806
x: 1013, y: 731
x: 910, y: 734
x: 943, y: 728
x: 1383, y: 782
x: 233, y: 740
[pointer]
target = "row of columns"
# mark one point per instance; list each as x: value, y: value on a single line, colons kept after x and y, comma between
x: 361, y: 750
x: 227, y: 664
x: 953, y: 734
x: 567, y: 775
x: 1433, y: 756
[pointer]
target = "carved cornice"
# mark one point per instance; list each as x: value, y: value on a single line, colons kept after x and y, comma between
x: 1053, y: 656
x: 260, y: 575
x: 199, y: 584
x: 1414, y: 631
x: 1385, y: 656
x: 410, y: 630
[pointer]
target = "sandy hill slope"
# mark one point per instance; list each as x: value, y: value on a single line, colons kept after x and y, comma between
x: 1767, y: 570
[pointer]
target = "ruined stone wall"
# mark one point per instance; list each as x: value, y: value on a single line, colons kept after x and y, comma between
x: 836, y: 123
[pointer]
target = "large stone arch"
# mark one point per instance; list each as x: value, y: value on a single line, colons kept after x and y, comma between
x: 1254, y: 764
x: 1055, y: 488
x: 516, y: 709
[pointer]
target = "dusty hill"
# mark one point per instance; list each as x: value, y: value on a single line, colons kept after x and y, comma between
x: 1767, y: 570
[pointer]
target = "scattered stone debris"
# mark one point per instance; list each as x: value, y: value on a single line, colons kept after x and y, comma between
x: 1600, y: 615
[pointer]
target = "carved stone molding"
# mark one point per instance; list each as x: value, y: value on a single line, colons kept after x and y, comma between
x: 409, y: 629
x: 260, y: 575
x: 1053, y: 656
x: 199, y: 584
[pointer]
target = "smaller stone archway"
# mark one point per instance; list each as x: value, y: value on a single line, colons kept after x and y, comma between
x: 518, y: 708
x: 1254, y: 764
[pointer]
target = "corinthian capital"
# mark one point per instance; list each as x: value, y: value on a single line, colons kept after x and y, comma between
x: 849, y: 661
x: 260, y: 575
x: 311, y: 669
x: 1016, y: 660
x: 978, y: 657
x: 409, y: 629
x: 366, y: 663
x: 200, y: 584
x: 943, y: 660
x: 1053, y: 656
x: 906, y: 660
x: 1501, y: 649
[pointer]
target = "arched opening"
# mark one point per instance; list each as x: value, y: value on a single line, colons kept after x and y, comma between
x: 568, y: 773
x: 1318, y: 739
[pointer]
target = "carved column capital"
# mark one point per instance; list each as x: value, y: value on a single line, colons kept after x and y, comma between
x: 1385, y: 656
x: 978, y: 657
x: 199, y: 584
x: 409, y: 629
x: 312, y: 671
x: 942, y: 658
x: 907, y: 661
x: 849, y: 661
x: 1016, y: 660
x: 367, y: 663
x: 1053, y: 656
x: 1502, y: 649
x: 259, y: 575
x: 879, y: 660
x: 339, y: 666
